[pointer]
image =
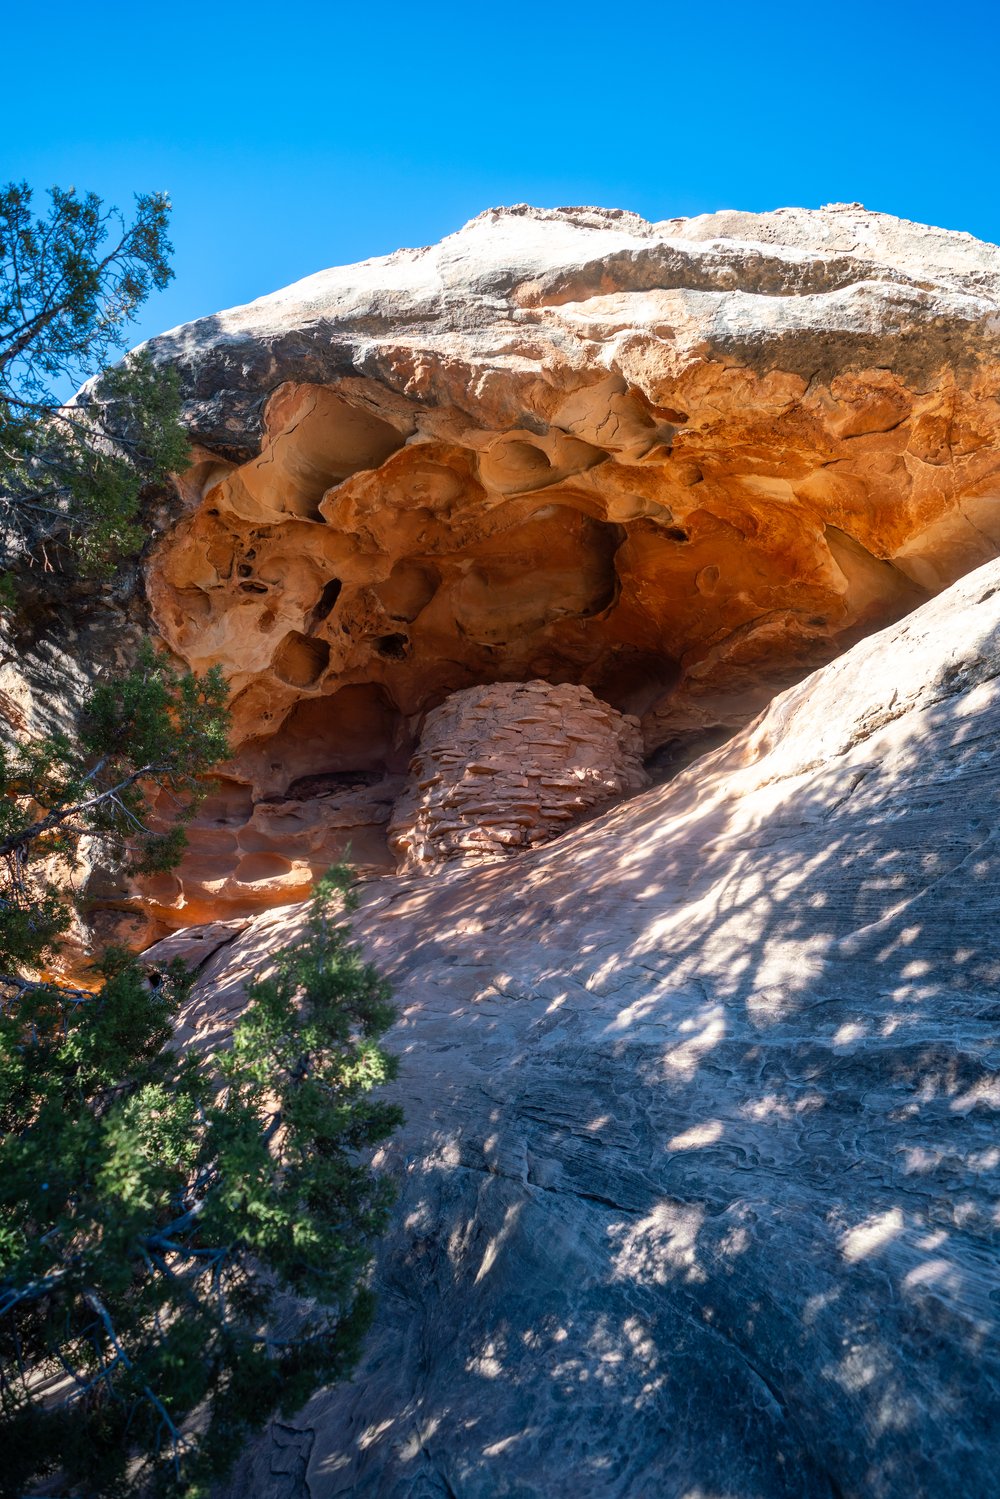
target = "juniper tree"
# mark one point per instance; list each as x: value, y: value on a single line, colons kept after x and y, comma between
x: 72, y: 471
x: 152, y: 726
x: 161, y: 1216
x: 183, y: 1238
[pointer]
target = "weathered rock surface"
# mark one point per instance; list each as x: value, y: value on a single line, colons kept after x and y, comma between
x: 62, y: 637
x: 244, y: 856
x: 681, y: 464
x: 504, y: 768
x: 698, y: 1184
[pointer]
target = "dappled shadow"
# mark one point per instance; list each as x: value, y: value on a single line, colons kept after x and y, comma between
x: 698, y: 1183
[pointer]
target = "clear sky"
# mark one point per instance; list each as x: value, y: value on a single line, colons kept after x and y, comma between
x: 301, y: 135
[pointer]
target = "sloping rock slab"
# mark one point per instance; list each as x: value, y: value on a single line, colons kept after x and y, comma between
x: 698, y: 1181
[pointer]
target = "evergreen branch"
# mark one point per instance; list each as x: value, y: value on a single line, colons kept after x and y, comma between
x: 54, y: 818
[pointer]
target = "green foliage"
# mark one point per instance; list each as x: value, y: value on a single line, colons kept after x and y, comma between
x: 151, y: 728
x: 70, y: 284
x: 155, y: 1232
x: 162, y: 1216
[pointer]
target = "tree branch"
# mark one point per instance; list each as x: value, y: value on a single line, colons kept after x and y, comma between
x: 59, y: 815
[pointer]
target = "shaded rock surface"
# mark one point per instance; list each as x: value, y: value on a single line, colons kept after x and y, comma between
x: 681, y: 464
x: 698, y: 1183
x: 244, y: 855
x: 504, y: 768
x: 64, y: 635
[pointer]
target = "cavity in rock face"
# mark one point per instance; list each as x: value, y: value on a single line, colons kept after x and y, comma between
x: 679, y: 464
x: 507, y: 767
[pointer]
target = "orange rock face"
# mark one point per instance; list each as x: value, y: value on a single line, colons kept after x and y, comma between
x: 680, y: 465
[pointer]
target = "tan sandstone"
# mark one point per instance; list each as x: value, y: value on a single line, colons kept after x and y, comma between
x: 506, y: 767
x: 699, y: 1178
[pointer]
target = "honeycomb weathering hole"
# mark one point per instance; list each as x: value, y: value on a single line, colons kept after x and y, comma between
x: 408, y: 589
x: 300, y: 661
x: 315, y: 438
x: 326, y: 601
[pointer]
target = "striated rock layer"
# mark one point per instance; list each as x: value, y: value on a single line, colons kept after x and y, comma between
x: 680, y: 464
x: 698, y: 1182
x: 504, y: 768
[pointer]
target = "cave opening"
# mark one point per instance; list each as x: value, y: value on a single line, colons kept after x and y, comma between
x: 324, y: 605
x: 359, y: 573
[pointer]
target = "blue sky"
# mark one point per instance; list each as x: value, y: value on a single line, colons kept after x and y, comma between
x: 300, y: 136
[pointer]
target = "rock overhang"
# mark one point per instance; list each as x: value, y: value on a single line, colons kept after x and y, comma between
x: 680, y: 464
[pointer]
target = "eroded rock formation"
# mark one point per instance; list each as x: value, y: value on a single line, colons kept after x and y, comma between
x: 503, y: 768
x: 680, y: 464
x: 698, y: 1183
x: 699, y: 1176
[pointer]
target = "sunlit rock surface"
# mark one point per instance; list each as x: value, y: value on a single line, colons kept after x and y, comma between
x: 681, y: 464
x: 698, y: 1183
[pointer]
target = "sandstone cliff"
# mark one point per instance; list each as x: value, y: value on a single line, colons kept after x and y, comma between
x: 680, y: 464
x: 698, y: 1184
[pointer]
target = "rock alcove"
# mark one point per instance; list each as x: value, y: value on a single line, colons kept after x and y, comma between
x: 677, y: 465
x: 697, y: 1175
